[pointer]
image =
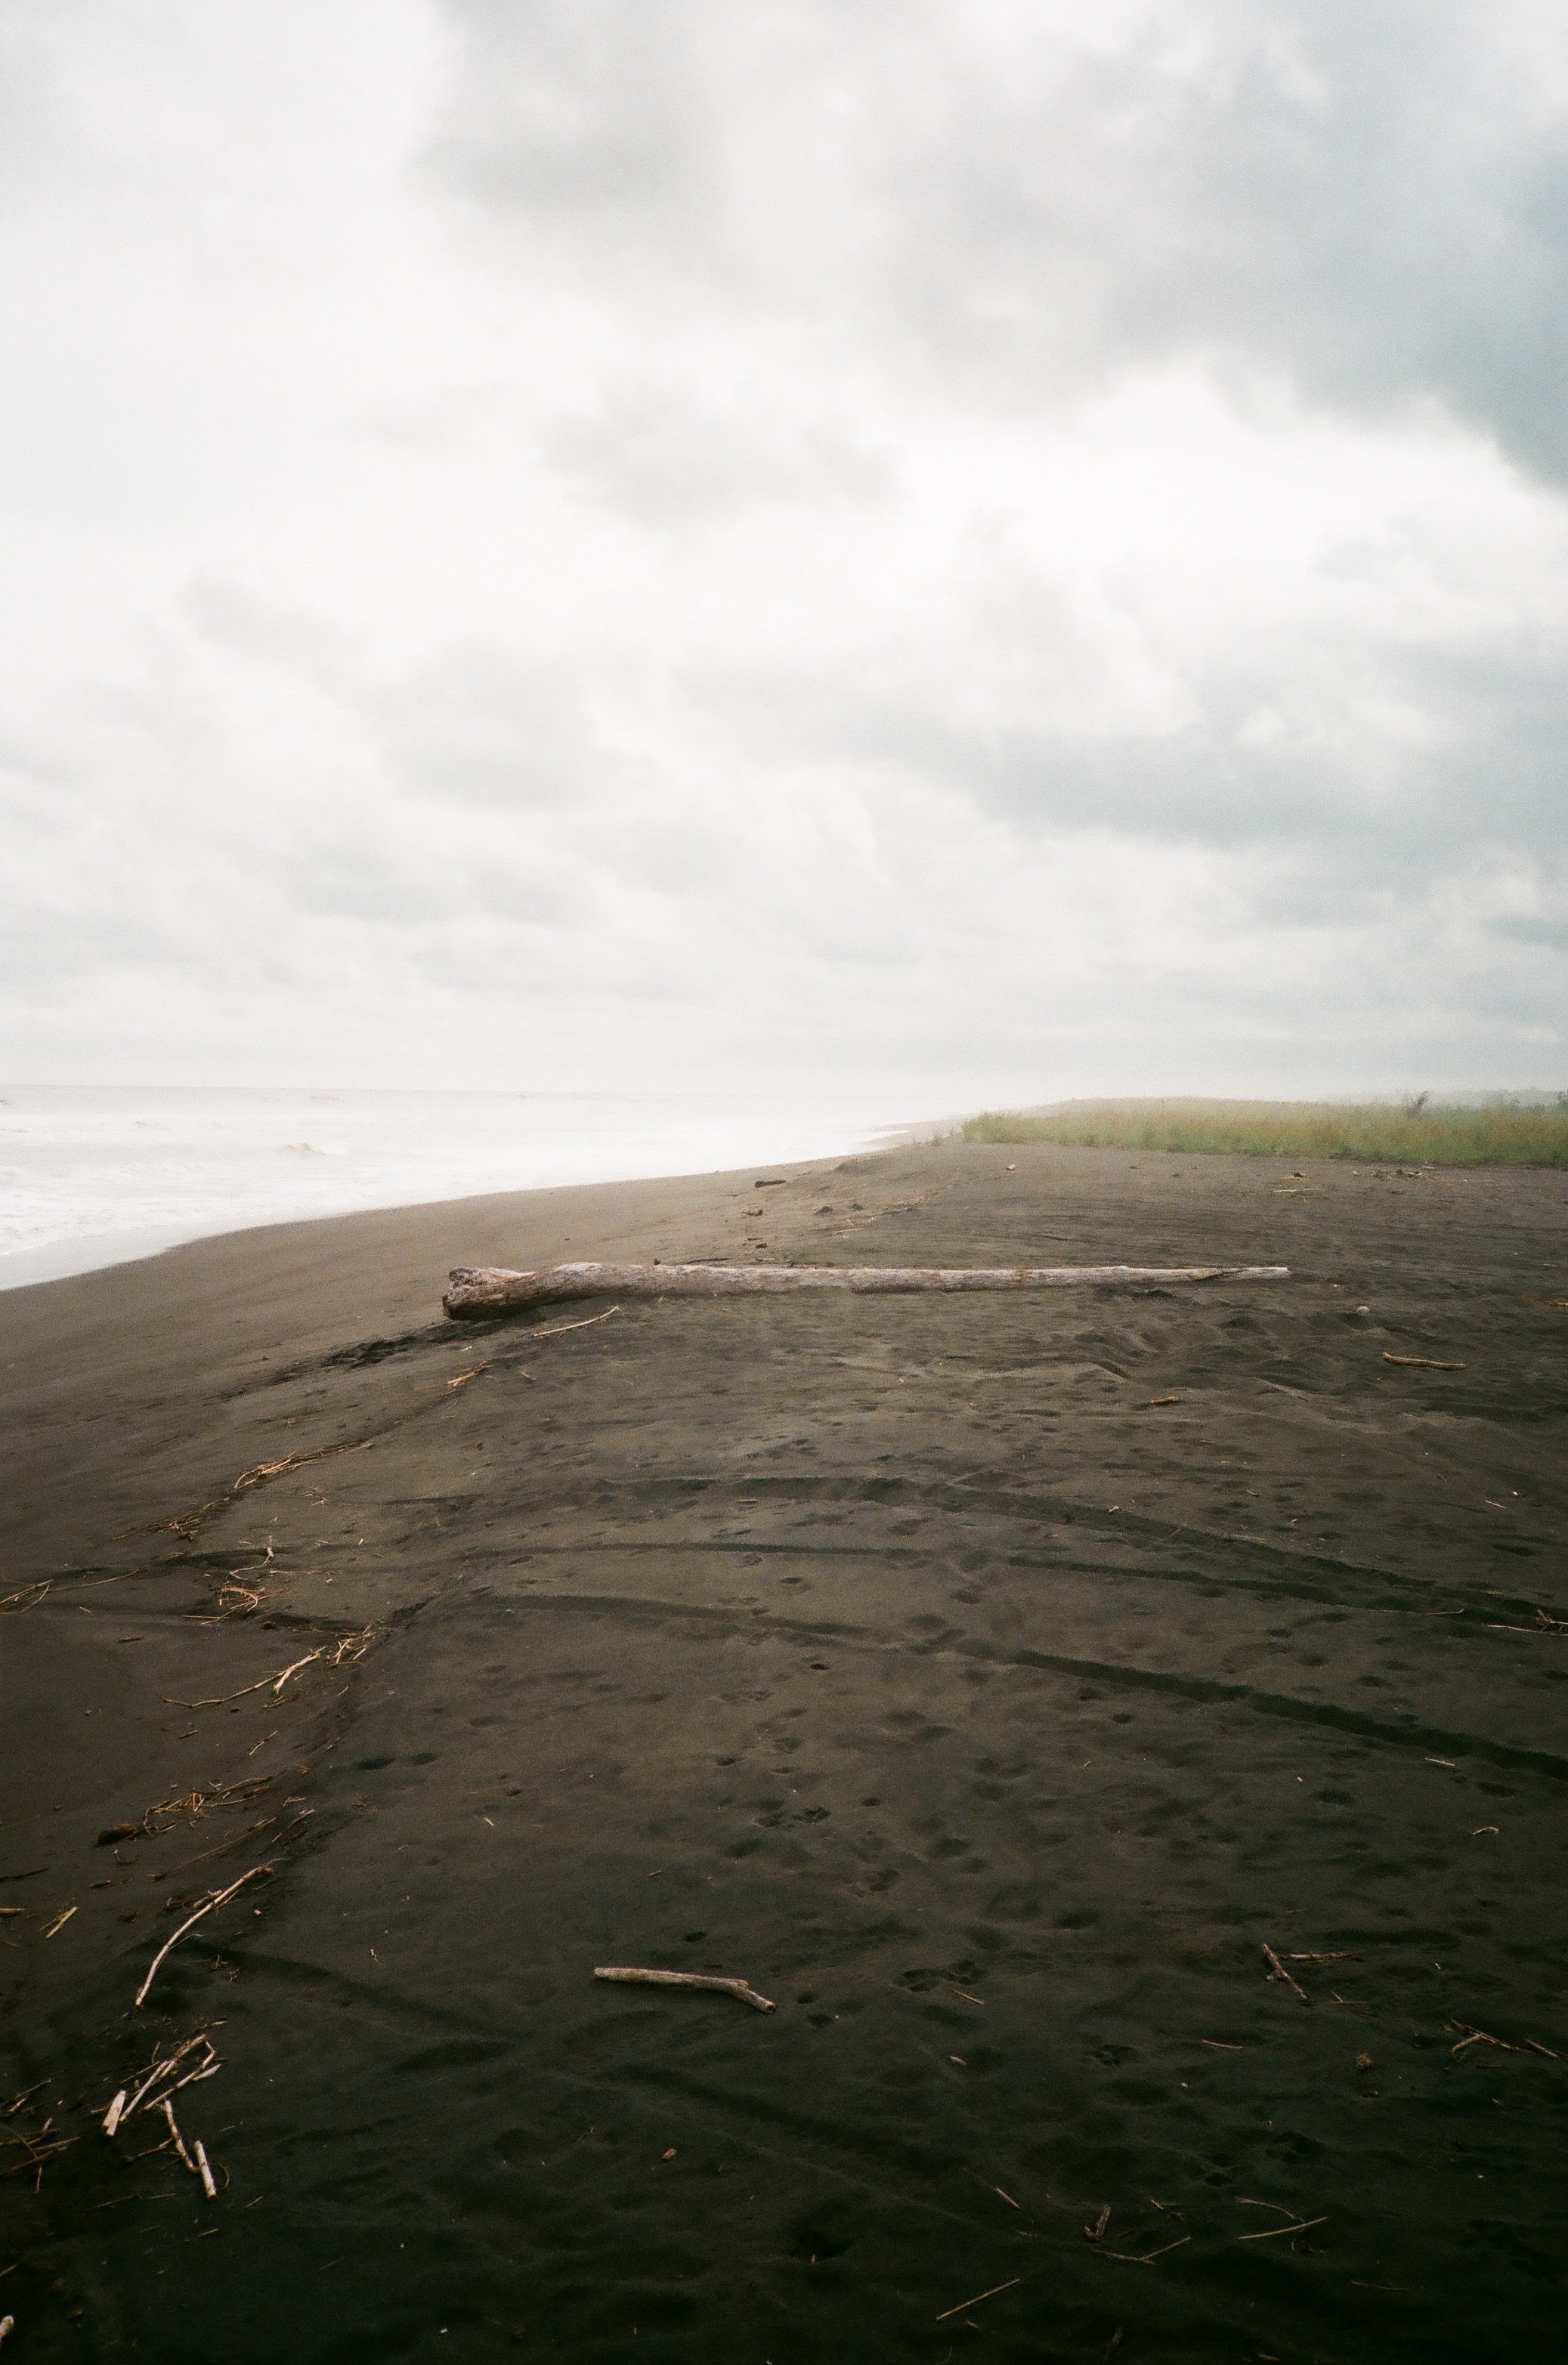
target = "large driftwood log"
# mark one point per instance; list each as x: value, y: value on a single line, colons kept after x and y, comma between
x: 477, y: 1293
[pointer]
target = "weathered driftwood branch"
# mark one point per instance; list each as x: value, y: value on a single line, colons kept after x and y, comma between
x: 737, y: 1988
x: 476, y: 1292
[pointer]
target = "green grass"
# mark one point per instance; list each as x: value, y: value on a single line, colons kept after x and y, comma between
x: 1411, y: 1134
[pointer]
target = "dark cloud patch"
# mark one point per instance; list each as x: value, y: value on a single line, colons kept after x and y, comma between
x: 1371, y: 202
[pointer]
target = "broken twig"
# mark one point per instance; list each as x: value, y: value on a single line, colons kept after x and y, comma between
x: 1270, y: 2233
x: 167, y: 2107
x: 1010, y: 2285
x: 1277, y: 1971
x: 736, y: 1987
x: 1145, y: 2258
x: 1483, y: 2036
x: 276, y: 1681
x: 202, y: 1911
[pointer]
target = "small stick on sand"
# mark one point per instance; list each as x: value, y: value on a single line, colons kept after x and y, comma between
x: 223, y: 1698
x: 7, y: 2325
x: 1277, y: 1971
x: 476, y: 1292
x: 1272, y: 2232
x: 1415, y: 1363
x: 1145, y: 2258
x: 202, y: 1911
x: 207, y: 2186
x: 737, y: 1988
x: 560, y: 1330
x: 167, y: 2108
x: 28, y: 1598
x: 977, y: 2297
x: 55, y: 1927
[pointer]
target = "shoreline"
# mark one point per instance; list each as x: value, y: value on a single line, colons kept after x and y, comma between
x: 986, y: 1681
x: 196, y: 1163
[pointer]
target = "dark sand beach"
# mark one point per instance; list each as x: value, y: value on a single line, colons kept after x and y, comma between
x: 989, y: 1680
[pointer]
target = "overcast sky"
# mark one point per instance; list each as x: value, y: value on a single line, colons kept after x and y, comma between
x: 994, y: 548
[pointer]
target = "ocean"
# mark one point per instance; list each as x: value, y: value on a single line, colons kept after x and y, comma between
x: 91, y: 1176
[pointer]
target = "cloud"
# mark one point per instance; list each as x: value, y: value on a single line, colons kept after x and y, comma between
x: 1005, y: 547
x: 1375, y: 205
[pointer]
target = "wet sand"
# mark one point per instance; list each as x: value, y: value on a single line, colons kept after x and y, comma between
x: 988, y: 1681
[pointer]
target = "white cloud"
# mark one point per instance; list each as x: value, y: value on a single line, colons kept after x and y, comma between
x: 1007, y: 550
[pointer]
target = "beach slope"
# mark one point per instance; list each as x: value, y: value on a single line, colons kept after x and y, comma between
x: 1122, y: 1731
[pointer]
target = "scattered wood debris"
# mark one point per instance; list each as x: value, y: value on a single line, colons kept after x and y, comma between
x: 1096, y: 2233
x: 236, y: 1839
x: 37, y: 2149
x: 736, y: 1987
x: 221, y: 1699
x: 160, y: 1819
x: 348, y: 1650
x: 158, y: 2073
x: 27, y: 1598
x: 1472, y: 2035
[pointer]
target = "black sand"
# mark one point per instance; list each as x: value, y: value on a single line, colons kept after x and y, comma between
x: 904, y: 1657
